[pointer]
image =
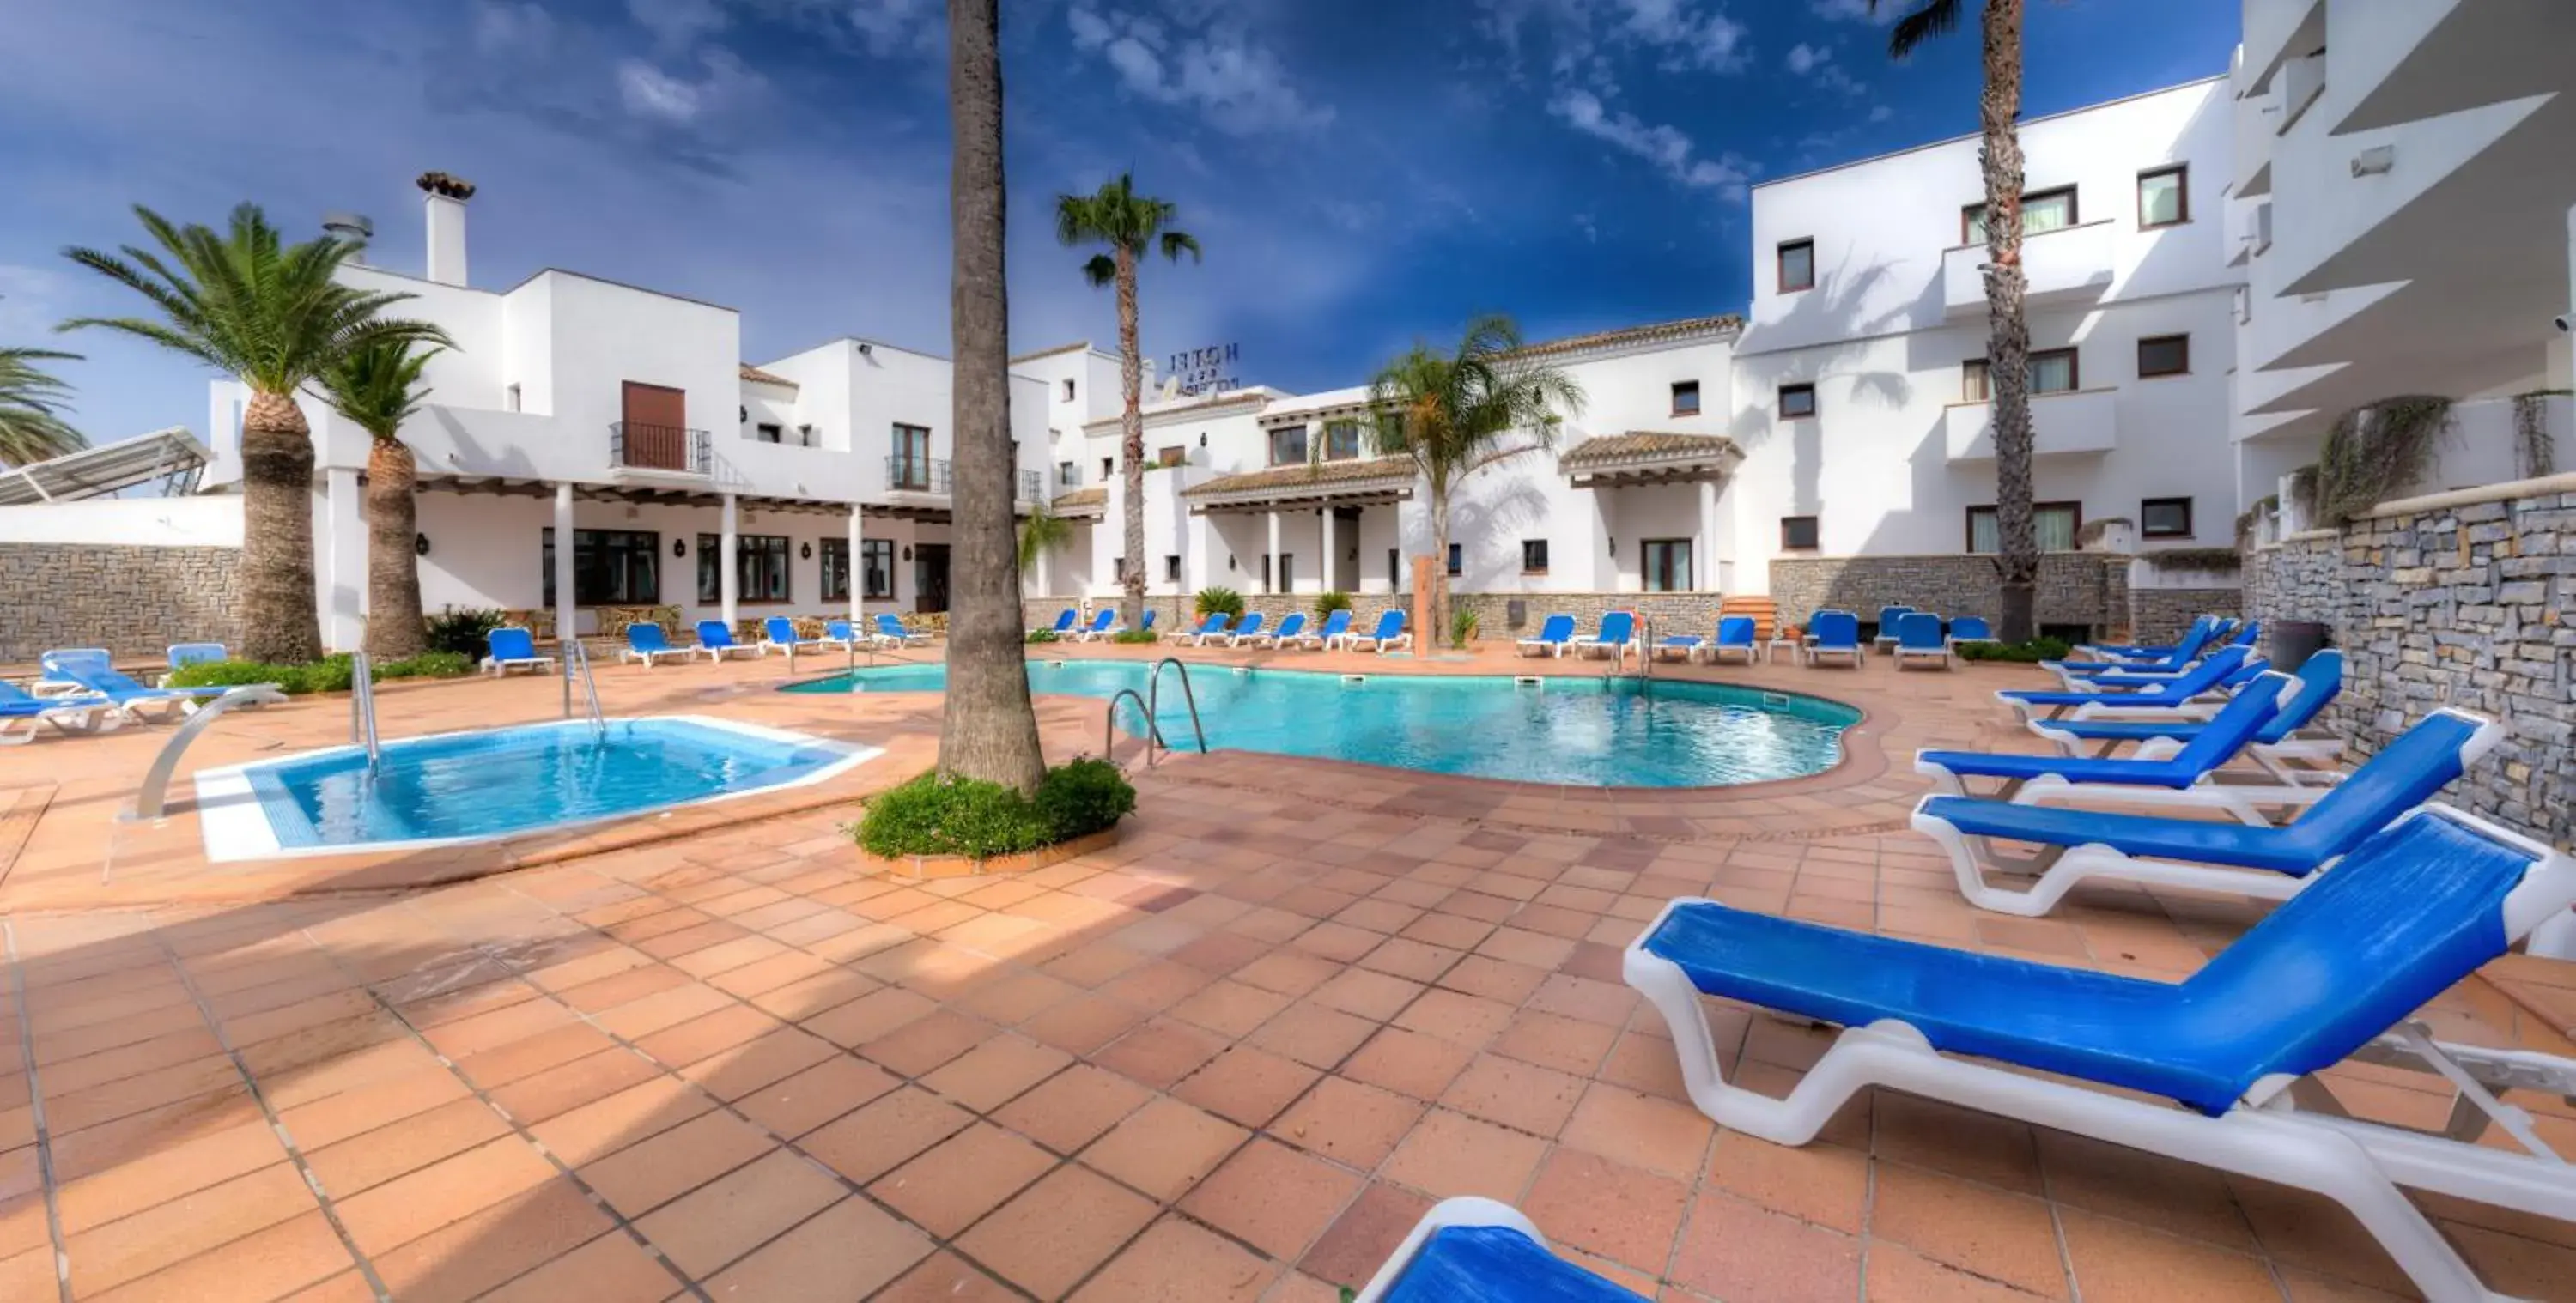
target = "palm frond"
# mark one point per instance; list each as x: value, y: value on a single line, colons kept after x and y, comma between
x: 377, y: 385
x: 1933, y: 18
x: 1100, y: 270
x: 32, y: 400
x: 1176, y: 243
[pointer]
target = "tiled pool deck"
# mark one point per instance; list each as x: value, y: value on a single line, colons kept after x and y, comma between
x: 1231, y: 1058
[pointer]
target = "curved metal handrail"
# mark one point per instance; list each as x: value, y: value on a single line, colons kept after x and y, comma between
x: 362, y: 706
x: 1109, y: 726
x: 152, y: 798
x: 1153, y: 695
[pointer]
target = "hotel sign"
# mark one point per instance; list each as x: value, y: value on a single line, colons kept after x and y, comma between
x: 1206, y: 370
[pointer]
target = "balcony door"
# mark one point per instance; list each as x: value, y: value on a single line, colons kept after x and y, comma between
x: 909, y: 467
x: 656, y: 429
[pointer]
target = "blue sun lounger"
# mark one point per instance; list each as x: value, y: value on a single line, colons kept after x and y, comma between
x: 2202, y: 677
x: 891, y: 633
x: 85, y: 713
x: 2248, y: 859
x: 2336, y: 973
x: 1735, y: 640
x: 184, y: 654
x: 1337, y: 627
x: 647, y: 643
x: 1918, y: 638
x: 1835, y: 634
x: 1250, y: 628
x: 91, y: 676
x: 715, y: 641
x: 1555, y: 634
x: 2188, y: 648
x: 1388, y: 634
x: 1617, y: 634
x: 1216, y: 624
x: 1063, y: 626
x: 778, y: 633
x: 2275, y: 746
x: 837, y: 633
x: 1888, y: 619
x: 1287, y: 631
x: 1099, y: 626
x: 1471, y: 1250
x: 2174, y: 767
x: 511, y: 647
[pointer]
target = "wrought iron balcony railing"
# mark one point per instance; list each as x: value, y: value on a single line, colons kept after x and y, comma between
x: 917, y: 474
x: 658, y: 447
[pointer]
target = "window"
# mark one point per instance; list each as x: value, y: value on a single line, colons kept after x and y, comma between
x: 769, y: 432
x: 1394, y: 570
x: 760, y: 568
x: 909, y: 468
x: 610, y: 567
x: 1288, y: 445
x: 2052, y: 371
x: 1068, y: 391
x: 2164, y: 197
x: 1287, y: 572
x: 2041, y: 212
x: 2165, y: 518
x: 2164, y: 355
x: 836, y: 569
x: 1176, y: 455
x: 1341, y: 440
x: 1797, y: 270
x: 1108, y: 468
x: 514, y: 396
x: 1171, y: 569
x: 1457, y: 560
x: 1067, y: 475
x: 1976, y: 384
x: 1668, y: 565
x: 876, y: 568
x: 2054, y: 522
x: 1533, y: 556
x: 1798, y: 534
x: 1797, y: 402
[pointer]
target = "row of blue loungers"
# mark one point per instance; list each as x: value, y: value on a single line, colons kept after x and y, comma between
x: 2387, y: 899
x: 1219, y: 629
x: 1831, y: 635
x: 79, y: 691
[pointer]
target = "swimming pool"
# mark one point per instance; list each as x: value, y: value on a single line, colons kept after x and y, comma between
x: 459, y: 787
x: 1590, y: 730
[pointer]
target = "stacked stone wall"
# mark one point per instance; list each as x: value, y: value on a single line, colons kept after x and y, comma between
x: 2075, y: 588
x: 133, y: 601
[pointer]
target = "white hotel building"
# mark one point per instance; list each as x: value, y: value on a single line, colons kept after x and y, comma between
x: 2216, y: 271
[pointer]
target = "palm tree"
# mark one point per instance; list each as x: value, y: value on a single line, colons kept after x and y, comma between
x: 378, y: 388
x: 1130, y: 224
x: 2008, y: 343
x: 1454, y: 414
x: 1043, y: 532
x: 987, y: 730
x: 249, y: 305
x: 32, y: 428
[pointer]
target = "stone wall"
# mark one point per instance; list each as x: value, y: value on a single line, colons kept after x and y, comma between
x: 2077, y: 588
x: 2458, y: 599
x: 2158, y: 616
x: 133, y: 601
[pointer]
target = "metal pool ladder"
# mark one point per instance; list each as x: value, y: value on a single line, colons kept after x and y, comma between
x: 362, y: 708
x: 1153, y: 726
x: 575, y: 655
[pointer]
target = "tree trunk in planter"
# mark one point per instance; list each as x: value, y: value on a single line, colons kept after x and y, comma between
x: 2008, y: 348
x: 394, y: 627
x: 1131, y: 444
x: 278, y: 621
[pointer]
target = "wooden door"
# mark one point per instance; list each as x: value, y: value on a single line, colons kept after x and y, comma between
x: 656, y: 427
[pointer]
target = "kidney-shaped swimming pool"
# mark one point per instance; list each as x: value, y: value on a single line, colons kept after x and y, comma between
x: 1591, y: 731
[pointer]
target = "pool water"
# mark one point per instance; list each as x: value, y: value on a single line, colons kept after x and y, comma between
x: 487, y: 784
x: 1608, y: 731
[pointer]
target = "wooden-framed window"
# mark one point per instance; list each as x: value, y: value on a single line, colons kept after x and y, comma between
x: 2164, y: 518
x: 1176, y: 455
x: 2042, y: 211
x: 1068, y: 475
x: 610, y: 567
x: 760, y: 568
x: 1797, y: 402
x: 1288, y: 445
x: 769, y: 432
x: 1457, y: 560
x: 1685, y: 398
x: 2055, y: 524
x: 2164, y: 355
x: 1797, y: 266
x: 909, y: 468
x: 1171, y: 569
x: 1668, y: 565
x: 2164, y: 196
x: 1533, y: 556
x: 1799, y: 534
x: 1108, y: 468
x: 1068, y: 390
x: 876, y: 568
x: 2052, y: 371
x: 836, y: 569
x: 1341, y: 440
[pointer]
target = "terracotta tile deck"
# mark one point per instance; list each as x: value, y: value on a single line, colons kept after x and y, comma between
x: 1232, y: 1057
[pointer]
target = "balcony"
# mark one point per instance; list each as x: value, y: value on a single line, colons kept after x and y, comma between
x: 916, y: 475
x: 672, y: 448
x: 1032, y: 486
x: 2081, y: 421
x: 2070, y: 265
x: 2257, y: 124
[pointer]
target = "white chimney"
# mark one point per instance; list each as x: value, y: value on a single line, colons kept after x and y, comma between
x: 350, y: 228
x: 446, y: 222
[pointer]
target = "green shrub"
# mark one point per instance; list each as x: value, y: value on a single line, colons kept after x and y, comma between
x: 1327, y: 603
x: 2023, y: 653
x: 463, y: 629
x: 1045, y: 635
x: 934, y: 815
x: 428, y: 665
x: 1213, y: 600
x: 1463, y: 623
x: 330, y: 674
x: 1135, y: 636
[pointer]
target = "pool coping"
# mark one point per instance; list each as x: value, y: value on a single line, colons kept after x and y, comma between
x: 234, y: 826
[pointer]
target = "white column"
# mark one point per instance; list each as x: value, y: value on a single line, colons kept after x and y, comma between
x: 1045, y: 560
x: 564, y: 608
x: 1324, y: 540
x: 728, y: 571
x: 344, y: 599
x: 1273, y: 585
x: 1704, y: 565
x: 859, y: 575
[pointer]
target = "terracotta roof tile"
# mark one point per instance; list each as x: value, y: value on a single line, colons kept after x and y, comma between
x: 1635, y: 444
x: 1079, y: 499
x: 1345, y: 471
x: 1648, y: 334
x: 750, y: 372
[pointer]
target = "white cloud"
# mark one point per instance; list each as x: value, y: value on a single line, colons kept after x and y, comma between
x: 1240, y: 86
x: 1803, y: 57
x: 1662, y: 144
x: 1679, y: 35
x: 512, y: 28
x: 649, y: 92
x: 1860, y: 11
x: 1707, y: 41
x: 677, y: 24
x: 1880, y: 113
x: 1817, y: 63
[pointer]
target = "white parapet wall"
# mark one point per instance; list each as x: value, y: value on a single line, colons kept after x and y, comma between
x: 214, y: 520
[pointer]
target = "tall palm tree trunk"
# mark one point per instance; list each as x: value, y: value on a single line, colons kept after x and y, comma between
x: 278, y: 622
x: 1425, y: 639
x: 987, y: 730
x: 1131, y: 441
x: 2008, y: 350
x: 394, y: 629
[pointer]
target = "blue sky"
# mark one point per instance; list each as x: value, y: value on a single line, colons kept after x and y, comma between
x: 1361, y: 172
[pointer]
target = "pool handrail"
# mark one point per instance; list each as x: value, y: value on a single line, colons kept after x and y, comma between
x: 151, y: 800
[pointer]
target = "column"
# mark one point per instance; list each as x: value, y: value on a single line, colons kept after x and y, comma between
x: 728, y: 570
x: 1324, y: 540
x: 344, y: 596
x: 858, y: 575
x: 1704, y: 566
x: 565, y: 626
x: 1273, y: 567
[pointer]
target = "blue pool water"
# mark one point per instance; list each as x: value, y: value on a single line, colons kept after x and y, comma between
x: 1593, y: 731
x: 511, y: 780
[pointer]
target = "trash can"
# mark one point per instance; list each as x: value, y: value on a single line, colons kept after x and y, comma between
x: 2292, y: 642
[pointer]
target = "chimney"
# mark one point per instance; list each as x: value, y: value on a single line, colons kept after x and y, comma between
x: 446, y: 204
x: 350, y: 228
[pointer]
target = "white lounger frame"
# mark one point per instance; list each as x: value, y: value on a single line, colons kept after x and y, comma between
x: 73, y: 716
x: 632, y: 653
x: 1463, y: 1210
x: 1942, y: 655
x: 2270, y: 1135
x: 1810, y: 654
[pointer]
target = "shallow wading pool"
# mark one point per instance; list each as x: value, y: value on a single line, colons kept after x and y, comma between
x: 1593, y: 731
